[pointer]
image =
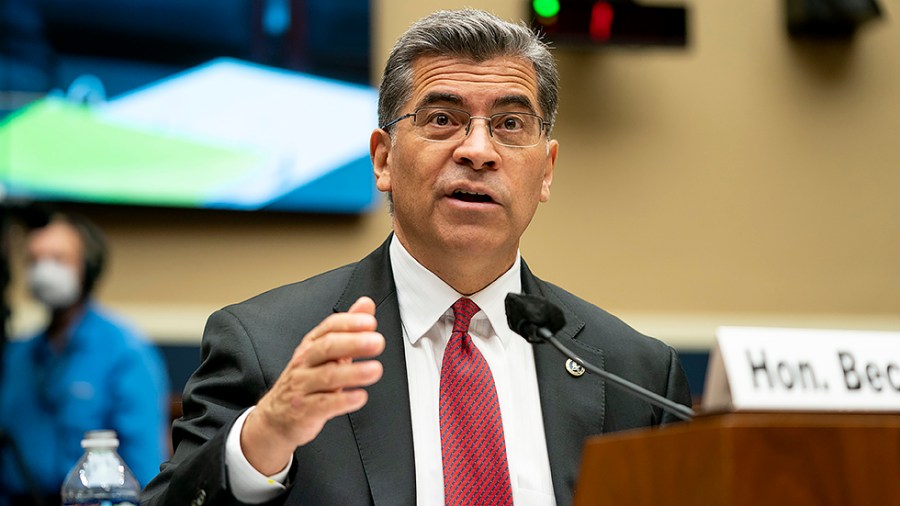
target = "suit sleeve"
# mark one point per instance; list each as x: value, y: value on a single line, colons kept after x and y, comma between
x: 677, y: 387
x: 228, y: 380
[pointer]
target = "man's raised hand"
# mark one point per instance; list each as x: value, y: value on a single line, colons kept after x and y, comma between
x: 321, y: 381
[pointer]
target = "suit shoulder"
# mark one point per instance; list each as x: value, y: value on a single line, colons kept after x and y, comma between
x: 321, y: 290
x: 602, y: 327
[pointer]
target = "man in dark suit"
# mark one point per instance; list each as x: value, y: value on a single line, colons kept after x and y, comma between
x: 299, y: 400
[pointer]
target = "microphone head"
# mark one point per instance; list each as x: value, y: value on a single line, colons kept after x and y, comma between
x: 525, y: 314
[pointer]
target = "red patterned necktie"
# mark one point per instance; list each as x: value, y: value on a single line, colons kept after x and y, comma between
x: 472, y: 444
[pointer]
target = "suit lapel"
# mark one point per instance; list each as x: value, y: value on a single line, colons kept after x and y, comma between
x: 382, y: 427
x: 573, y: 407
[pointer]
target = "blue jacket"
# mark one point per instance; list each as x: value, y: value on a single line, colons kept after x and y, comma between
x: 107, y: 377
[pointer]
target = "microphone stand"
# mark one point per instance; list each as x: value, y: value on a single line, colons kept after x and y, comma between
x: 682, y: 412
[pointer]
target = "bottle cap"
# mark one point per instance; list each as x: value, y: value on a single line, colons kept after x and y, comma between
x: 100, y: 439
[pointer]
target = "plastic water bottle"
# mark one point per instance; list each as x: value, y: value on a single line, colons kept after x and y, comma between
x: 100, y: 478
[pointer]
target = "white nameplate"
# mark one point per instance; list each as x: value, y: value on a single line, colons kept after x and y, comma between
x: 772, y: 369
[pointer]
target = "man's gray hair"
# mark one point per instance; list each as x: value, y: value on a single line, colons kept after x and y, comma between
x: 469, y: 34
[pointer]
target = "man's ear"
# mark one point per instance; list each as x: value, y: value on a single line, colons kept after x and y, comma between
x: 552, y: 150
x: 379, y: 151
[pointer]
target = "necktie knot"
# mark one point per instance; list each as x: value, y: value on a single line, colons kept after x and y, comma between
x: 463, y: 311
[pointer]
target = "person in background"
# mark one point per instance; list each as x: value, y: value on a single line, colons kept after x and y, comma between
x: 288, y: 405
x: 86, y: 370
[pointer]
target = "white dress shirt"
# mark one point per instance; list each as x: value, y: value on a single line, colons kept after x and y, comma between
x: 425, y: 312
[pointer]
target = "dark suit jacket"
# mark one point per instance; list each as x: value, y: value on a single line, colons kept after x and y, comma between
x: 366, y: 457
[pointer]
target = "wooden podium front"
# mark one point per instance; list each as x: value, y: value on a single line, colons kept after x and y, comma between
x: 752, y: 459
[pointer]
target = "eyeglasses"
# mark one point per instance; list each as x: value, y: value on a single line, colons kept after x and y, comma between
x: 513, y: 129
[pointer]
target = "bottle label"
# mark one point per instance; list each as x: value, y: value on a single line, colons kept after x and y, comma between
x: 103, y: 469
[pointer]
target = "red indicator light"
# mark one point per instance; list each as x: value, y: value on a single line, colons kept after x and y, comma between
x: 601, y: 21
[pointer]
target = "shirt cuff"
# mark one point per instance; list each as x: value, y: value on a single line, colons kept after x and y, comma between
x: 247, y: 484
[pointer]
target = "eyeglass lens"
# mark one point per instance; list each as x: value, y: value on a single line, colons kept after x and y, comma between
x: 507, y: 128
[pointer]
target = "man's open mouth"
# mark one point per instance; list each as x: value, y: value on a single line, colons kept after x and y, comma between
x: 466, y: 196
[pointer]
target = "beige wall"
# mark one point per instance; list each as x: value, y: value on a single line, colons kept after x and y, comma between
x: 749, y: 179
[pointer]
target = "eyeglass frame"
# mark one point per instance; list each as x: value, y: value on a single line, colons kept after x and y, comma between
x: 545, y: 125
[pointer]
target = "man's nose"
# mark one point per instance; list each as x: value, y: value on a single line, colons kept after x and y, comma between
x: 478, y: 149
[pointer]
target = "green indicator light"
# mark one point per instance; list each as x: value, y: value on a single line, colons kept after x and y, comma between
x: 546, y: 8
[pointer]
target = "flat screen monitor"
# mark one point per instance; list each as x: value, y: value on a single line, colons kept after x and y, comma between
x: 227, y: 134
x: 232, y: 104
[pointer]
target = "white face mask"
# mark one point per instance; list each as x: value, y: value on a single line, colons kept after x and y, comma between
x: 53, y: 283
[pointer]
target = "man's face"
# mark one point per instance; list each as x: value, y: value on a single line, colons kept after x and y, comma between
x: 59, y: 242
x: 429, y: 181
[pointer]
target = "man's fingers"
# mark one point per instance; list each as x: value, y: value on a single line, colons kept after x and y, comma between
x: 360, y: 317
x: 331, y: 404
x: 344, y: 322
x: 335, y: 376
x: 322, y: 380
x: 363, y: 305
x: 298, y: 418
x: 342, y: 345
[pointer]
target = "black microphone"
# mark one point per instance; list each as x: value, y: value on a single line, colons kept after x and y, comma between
x: 537, y: 320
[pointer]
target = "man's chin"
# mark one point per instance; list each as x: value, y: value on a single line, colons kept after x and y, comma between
x: 473, y: 239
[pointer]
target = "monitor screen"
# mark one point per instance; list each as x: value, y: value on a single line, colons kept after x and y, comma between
x: 145, y: 103
x: 227, y: 134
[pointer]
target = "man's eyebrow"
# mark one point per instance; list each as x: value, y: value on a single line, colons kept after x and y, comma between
x: 437, y: 97
x: 520, y: 100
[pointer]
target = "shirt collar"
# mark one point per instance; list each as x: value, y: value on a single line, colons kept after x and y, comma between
x: 424, y: 298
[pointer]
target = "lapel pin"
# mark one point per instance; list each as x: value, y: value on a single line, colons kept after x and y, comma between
x: 574, y: 368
